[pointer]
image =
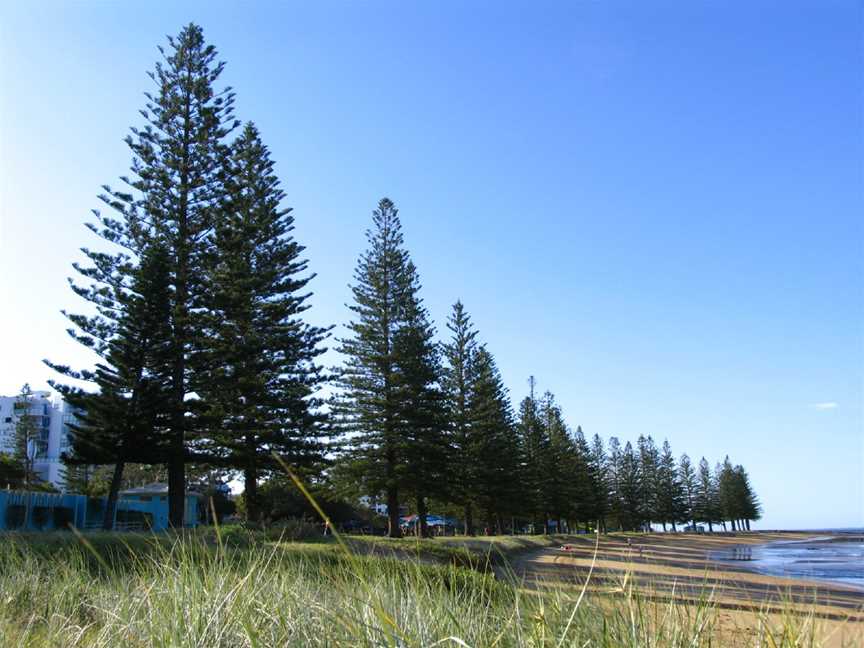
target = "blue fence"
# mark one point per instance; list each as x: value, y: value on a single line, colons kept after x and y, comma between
x: 33, y: 511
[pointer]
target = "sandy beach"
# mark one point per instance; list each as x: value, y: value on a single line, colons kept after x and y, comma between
x: 681, y: 567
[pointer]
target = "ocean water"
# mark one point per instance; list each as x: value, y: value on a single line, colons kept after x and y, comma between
x: 838, y: 558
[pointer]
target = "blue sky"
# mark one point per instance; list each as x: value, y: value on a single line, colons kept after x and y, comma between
x: 655, y: 211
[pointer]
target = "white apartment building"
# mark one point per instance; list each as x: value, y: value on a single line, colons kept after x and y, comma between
x: 52, y: 418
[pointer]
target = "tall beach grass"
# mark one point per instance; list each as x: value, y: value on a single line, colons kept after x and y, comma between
x: 235, y: 591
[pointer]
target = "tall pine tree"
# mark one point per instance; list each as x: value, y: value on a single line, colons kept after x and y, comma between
x: 494, y: 446
x: 457, y: 378
x: 534, y: 457
x: 124, y: 419
x: 170, y: 199
x: 422, y: 422
x: 387, y: 371
x: 261, y: 375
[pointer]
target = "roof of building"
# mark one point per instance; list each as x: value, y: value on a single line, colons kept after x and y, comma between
x: 156, y: 488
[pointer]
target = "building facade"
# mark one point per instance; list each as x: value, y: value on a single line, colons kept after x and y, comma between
x: 135, y: 511
x: 52, y: 440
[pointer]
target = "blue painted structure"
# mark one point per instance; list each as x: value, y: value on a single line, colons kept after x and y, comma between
x: 34, y: 511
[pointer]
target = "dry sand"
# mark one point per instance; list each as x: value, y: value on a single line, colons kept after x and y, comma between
x: 678, y: 567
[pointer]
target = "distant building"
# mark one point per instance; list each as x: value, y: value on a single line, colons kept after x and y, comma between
x: 52, y: 418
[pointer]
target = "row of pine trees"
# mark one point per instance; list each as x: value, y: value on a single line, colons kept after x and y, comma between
x: 205, y: 358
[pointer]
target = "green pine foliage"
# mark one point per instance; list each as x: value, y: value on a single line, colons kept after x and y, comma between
x: 689, y: 486
x: 494, y: 444
x: 457, y: 382
x: 380, y: 381
x: 601, y: 488
x: 535, y: 452
x: 584, y: 506
x: 669, y: 495
x: 649, y: 459
x: 169, y: 201
x: 631, y: 491
x: 259, y: 361
x: 422, y: 423
x: 26, y: 441
x: 125, y: 419
x: 11, y: 472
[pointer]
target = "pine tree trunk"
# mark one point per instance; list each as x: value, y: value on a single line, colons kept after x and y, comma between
x: 710, y: 527
x: 393, y: 529
x: 176, y: 484
x: 674, y: 527
x: 469, y: 520
x: 176, y: 463
x: 421, y: 517
x: 250, y: 493
x: 111, y: 504
x: 664, y: 527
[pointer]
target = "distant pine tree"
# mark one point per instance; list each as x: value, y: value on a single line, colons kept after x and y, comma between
x: 706, y: 498
x: 457, y: 380
x: 493, y: 448
x: 558, y: 462
x: 535, y: 453
x: 748, y: 503
x: 649, y: 458
x: 670, y: 493
x: 614, y: 473
x: 631, y: 490
x: 584, y: 486
x: 727, y: 490
x: 600, y: 482
x: 26, y: 441
x: 688, y: 479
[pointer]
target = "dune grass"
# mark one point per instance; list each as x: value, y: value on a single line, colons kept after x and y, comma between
x: 233, y: 591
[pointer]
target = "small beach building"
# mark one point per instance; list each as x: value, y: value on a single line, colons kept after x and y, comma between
x: 138, y: 511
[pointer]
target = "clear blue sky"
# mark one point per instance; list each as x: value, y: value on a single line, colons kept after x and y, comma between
x: 657, y: 212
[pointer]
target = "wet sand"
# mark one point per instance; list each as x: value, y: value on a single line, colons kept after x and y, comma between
x: 680, y: 567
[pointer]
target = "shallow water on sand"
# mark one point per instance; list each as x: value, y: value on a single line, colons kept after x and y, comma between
x: 838, y: 559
